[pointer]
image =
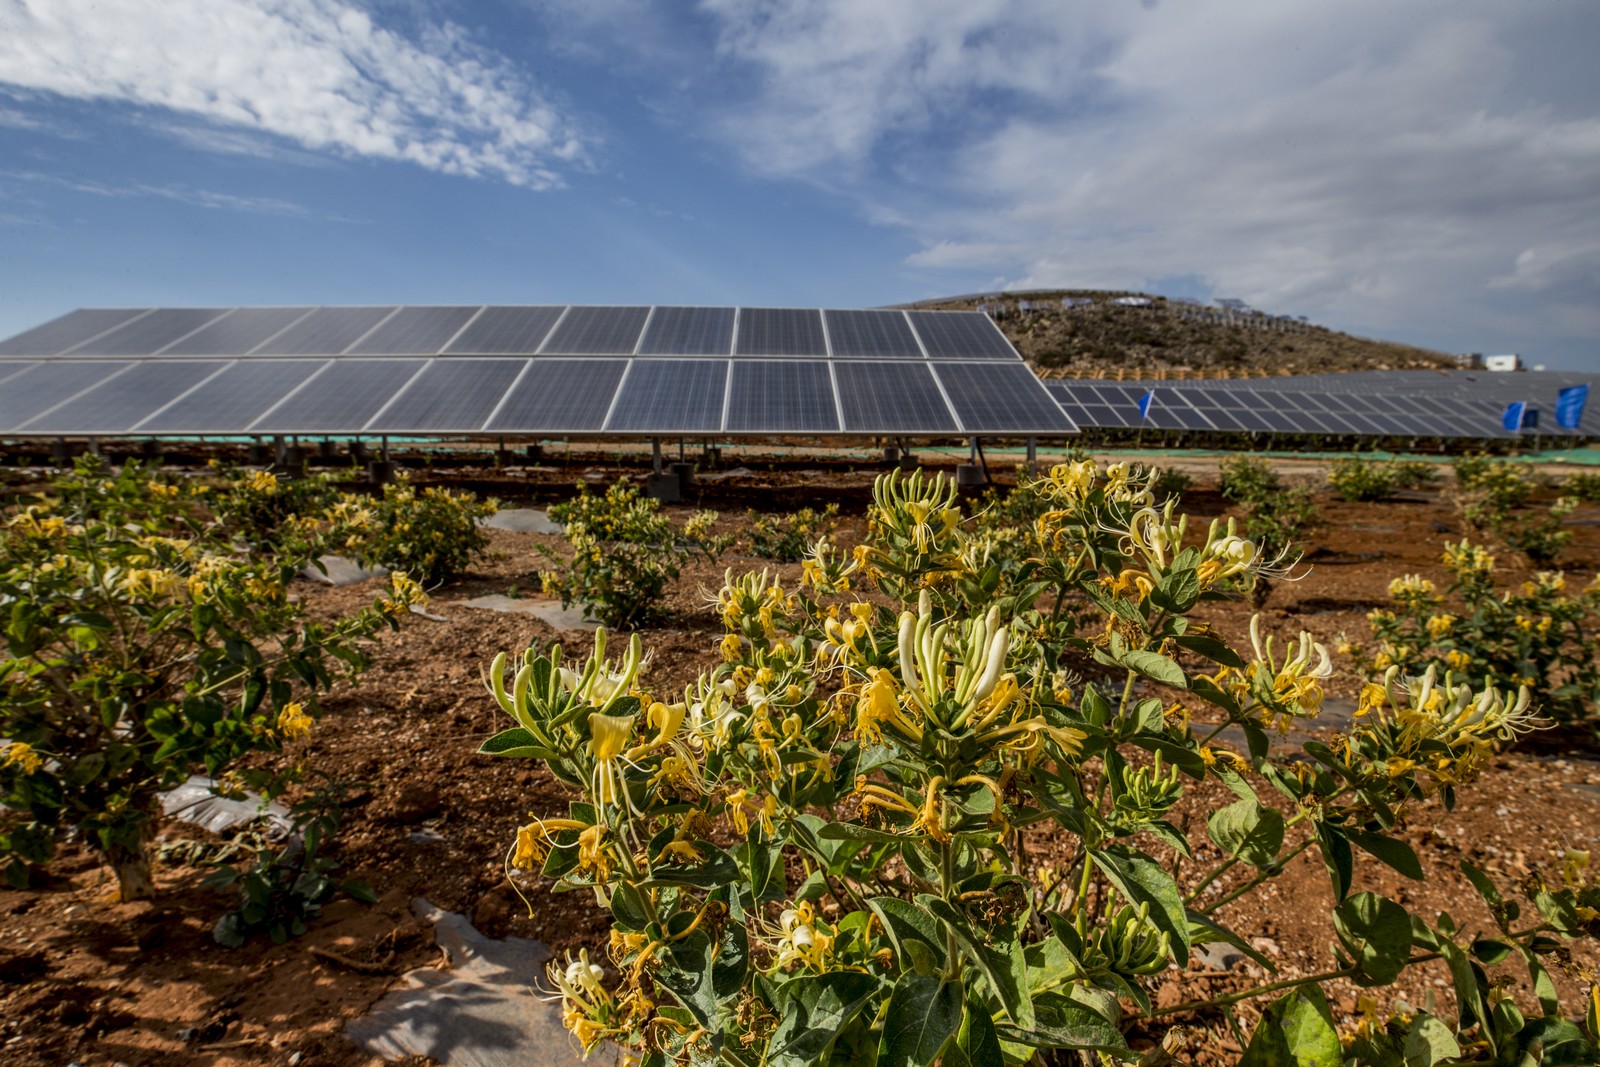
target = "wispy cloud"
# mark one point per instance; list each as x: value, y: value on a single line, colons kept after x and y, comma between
x: 323, y: 74
x: 204, y: 198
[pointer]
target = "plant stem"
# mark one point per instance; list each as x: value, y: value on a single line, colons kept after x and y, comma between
x: 1277, y: 865
x: 1247, y: 994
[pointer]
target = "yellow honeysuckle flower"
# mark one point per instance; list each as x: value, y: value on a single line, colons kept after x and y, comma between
x: 20, y: 754
x: 293, y: 722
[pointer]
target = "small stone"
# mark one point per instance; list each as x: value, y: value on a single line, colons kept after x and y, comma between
x: 416, y: 803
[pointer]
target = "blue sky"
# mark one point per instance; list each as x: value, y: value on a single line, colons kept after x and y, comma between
x: 1422, y: 172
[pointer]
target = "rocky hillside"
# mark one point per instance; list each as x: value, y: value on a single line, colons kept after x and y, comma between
x: 1099, y: 336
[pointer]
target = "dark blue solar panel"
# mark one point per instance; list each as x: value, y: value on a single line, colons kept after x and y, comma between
x: 233, y: 399
x: 73, y: 328
x: 1001, y: 398
x: 11, y: 367
x: 149, y: 333
x: 506, y: 331
x: 599, y: 331
x: 675, y: 331
x: 561, y: 396
x: 340, y: 399
x: 118, y: 406
x: 960, y: 335
x: 871, y: 334
x: 781, y: 332
x: 418, y: 331
x: 892, y: 398
x: 237, y: 332
x: 37, y: 390
x: 671, y: 396
x: 781, y: 396
x: 450, y: 396
x: 325, y: 332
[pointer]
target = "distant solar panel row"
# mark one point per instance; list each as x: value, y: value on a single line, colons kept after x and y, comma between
x: 1238, y: 408
x: 161, y: 396
x: 525, y: 331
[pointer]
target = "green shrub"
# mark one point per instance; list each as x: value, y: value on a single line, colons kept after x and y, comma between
x: 258, y: 505
x: 819, y: 853
x: 1363, y: 480
x: 1248, y: 481
x: 138, y: 648
x: 1583, y: 486
x: 624, y: 552
x: 432, y: 535
x: 787, y: 538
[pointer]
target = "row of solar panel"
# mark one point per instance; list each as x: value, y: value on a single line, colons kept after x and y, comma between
x: 658, y: 396
x: 427, y: 331
x: 1245, y: 410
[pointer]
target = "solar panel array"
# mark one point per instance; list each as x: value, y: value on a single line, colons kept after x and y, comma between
x: 518, y: 370
x: 1356, y: 404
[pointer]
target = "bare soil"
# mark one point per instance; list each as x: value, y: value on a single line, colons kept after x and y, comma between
x: 86, y: 981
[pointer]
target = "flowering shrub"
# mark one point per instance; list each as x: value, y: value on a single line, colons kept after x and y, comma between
x: 431, y: 534
x: 624, y: 552
x: 1493, y: 499
x: 1538, y: 636
x: 1363, y: 480
x: 137, y: 649
x: 1583, y: 486
x: 1275, y: 515
x: 258, y: 505
x: 816, y: 853
x: 787, y: 538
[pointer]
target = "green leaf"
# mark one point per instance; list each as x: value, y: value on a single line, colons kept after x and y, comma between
x: 1429, y: 1042
x: 1155, y: 665
x: 717, y: 869
x: 1065, y: 1023
x: 629, y: 907
x: 359, y: 890
x: 767, y: 877
x: 917, y: 937
x: 1140, y: 879
x: 1336, y: 855
x: 1205, y: 930
x: 924, y: 1012
x: 732, y: 960
x: 849, y: 831
x: 816, y: 1009
x: 1396, y: 854
x: 1177, y: 592
x: 1180, y: 756
x: 1376, y: 932
x: 1212, y: 648
x: 515, y: 742
x: 686, y: 973
x: 1249, y: 830
x: 1003, y: 964
x: 976, y: 1043
x: 1296, y: 1031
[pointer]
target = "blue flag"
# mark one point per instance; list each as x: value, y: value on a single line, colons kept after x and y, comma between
x: 1515, y: 413
x: 1569, y: 406
x: 1144, y: 404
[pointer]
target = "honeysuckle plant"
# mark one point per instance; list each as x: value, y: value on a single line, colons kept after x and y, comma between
x: 819, y: 852
x: 141, y: 644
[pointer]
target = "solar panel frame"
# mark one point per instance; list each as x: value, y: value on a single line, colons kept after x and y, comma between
x: 340, y: 398
x: 456, y: 395
x: 9, y: 368
x: 670, y: 396
x: 781, y: 332
x: 116, y: 406
x: 689, y: 331
x: 898, y: 397
x: 560, y: 396
x: 232, y: 400
x: 148, y: 334
x: 870, y: 335
x: 50, y: 383
x: 781, y: 396
x: 65, y: 332
x: 327, y: 331
x: 597, y: 331
x: 506, y: 330
x: 415, y: 330
x: 963, y: 335
x: 237, y: 332
x: 991, y: 397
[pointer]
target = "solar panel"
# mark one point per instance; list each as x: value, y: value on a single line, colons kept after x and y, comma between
x: 73, y: 328
x: 782, y: 396
x: 237, y: 332
x: 688, y: 332
x: 325, y: 332
x: 1171, y: 411
x: 118, y: 406
x: 671, y: 396
x: 419, y: 331
x: 150, y: 333
x: 233, y: 399
x: 875, y: 334
x: 600, y: 331
x: 11, y: 367
x: 340, y: 399
x: 1001, y: 398
x: 506, y: 331
x: 892, y: 398
x: 560, y: 396
x: 449, y: 396
x: 960, y: 335
x: 44, y: 385
x: 781, y: 332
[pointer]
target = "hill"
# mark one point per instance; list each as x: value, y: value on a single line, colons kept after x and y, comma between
x: 1100, y: 337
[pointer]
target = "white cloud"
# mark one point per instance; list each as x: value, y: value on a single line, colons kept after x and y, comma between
x: 320, y: 73
x: 206, y: 198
